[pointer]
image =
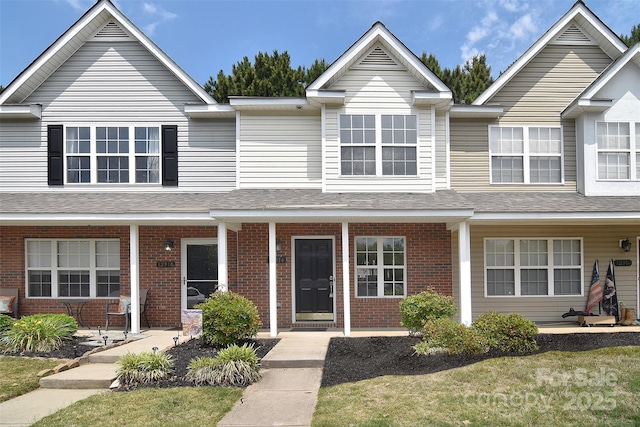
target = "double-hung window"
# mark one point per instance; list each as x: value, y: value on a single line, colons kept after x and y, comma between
x: 73, y: 268
x: 378, y: 144
x: 533, y: 267
x: 380, y: 267
x: 525, y: 154
x: 618, y: 151
x: 112, y: 154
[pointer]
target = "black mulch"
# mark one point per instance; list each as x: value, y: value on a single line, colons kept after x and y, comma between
x: 356, y: 359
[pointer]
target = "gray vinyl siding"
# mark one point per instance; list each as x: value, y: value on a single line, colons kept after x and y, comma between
x: 535, y: 96
x: 280, y: 151
x: 371, y: 90
x: 599, y: 242
x: 121, y: 83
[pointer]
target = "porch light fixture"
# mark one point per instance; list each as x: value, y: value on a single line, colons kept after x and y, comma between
x: 278, y: 245
x: 168, y: 245
x: 625, y: 245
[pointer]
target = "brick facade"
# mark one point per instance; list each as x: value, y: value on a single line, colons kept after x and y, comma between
x: 428, y: 252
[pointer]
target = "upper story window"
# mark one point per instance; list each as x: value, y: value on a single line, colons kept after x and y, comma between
x: 380, y: 266
x: 533, y: 267
x: 525, y: 154
x: 112, y: 154
x: 378, y: 144
x: 73, y: 268
x: 618, y: 151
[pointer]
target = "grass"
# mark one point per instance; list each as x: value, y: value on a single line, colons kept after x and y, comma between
x: 146, y: 407
x: 19, y: 375
x: 598, y: 387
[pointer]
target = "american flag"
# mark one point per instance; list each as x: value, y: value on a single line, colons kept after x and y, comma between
x: 596, y: 291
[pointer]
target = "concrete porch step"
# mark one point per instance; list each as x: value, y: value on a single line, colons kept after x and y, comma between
x: 89, y: 376
x: 298, y: 350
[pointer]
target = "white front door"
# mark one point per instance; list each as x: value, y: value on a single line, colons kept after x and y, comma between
x: 199, y: 270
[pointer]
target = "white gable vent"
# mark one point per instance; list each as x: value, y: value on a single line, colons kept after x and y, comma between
x: 378, y: 57
x: 573, y: 35
x: 111, y: 32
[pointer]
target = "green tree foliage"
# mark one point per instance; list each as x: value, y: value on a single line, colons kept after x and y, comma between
x: 268, y: 75
x: 632, y: 39
x: 465, y: 81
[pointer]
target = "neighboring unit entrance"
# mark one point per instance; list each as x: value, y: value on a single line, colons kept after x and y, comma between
x: 314, y: 279
x: 199, y: 270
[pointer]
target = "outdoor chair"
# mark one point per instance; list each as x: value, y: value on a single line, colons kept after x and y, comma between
x: 124, y: 309
x: 9, y: 301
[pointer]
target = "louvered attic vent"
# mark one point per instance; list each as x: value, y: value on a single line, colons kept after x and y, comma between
x: 573, y: 35
x: 378, y: 57
x: 111, y: 31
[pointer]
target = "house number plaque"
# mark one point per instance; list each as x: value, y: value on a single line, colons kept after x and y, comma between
x: 165, y: 264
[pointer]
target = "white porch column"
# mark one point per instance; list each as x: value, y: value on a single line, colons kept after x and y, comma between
x: 346, y: 278
x: 273, y: 303
x: 134, y: 276
x: 223, y: 276
x: 464, y: 254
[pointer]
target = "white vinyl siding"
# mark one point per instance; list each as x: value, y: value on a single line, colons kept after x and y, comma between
x: 118, y: 83
x: 280, y: 151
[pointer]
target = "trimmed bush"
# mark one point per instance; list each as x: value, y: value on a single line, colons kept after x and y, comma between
x: 6, y: 322
x: 447, y: 335
x: 39, y: 332
x: 143, y: 368
x: 227, y: 318
x: 415, y: 310
x: 234, y: 366
x: 511, y: 333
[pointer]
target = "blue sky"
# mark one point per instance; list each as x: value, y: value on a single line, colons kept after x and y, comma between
x: 205, y: 36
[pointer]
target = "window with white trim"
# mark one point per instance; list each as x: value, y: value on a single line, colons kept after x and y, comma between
x: 525, y: 154
x: 533, y: 267
x: 380, y: 267
x: 618, y: 151
x: 83, y: 268
x: 112, y: 154
x: 378, y: 144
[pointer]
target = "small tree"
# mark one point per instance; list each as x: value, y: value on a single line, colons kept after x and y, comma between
x: 227, y: 318
x: 415, y: 310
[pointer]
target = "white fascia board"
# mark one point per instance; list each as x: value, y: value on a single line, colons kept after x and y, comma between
x: 107, y: 219
x: 313, y: 214
x: 32, y: 111
x: 576, y: 108
x: 378, y: 31
x: 209, y: 111
x: 331, y: 97
x: 633, y: 217
x: 441, y: 99
x: 475, y: 111
x: 523, y: 60
x: 253, y: 101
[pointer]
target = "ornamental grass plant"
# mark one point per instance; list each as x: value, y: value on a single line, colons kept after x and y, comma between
x: 143, y: 368
x: 39, y: 333
x: 233, y: 366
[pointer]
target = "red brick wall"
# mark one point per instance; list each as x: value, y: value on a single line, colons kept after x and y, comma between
x: 428, y: 251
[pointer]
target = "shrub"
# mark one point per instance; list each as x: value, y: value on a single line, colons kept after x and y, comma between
x: 143, y: 368
x: 6, y: 322
x: 447, y: 335
x: 227, y: 318
x: 415, y: 310
x: 511, y: 333
x: 234, y: 366
x: 39, y: 332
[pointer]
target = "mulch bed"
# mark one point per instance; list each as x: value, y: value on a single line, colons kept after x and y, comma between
x: 356, y: 359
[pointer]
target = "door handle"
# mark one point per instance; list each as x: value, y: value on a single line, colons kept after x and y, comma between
x: 330, y: 286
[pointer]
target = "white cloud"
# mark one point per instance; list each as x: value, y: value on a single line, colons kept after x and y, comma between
x: 158, y: 15
x: 523, y: 27
x: 513, y: 5
x: 435, y: 23
x: 80, y: 5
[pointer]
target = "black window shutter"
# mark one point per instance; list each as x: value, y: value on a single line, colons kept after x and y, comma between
x: 55, y: 147
x: 170, y: 155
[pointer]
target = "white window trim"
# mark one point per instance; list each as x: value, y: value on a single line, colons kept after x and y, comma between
x: 526, y: 155
x: 517, y: 267
x: 93, y: 279
x: 379, y: 267
x: 378, y: 143
x: 93, y: 155
x: 633, y: 151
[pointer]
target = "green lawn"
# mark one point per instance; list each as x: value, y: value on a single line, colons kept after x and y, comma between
x: 146, y: 407
x: 19, y: 375
x: 593, y: 388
